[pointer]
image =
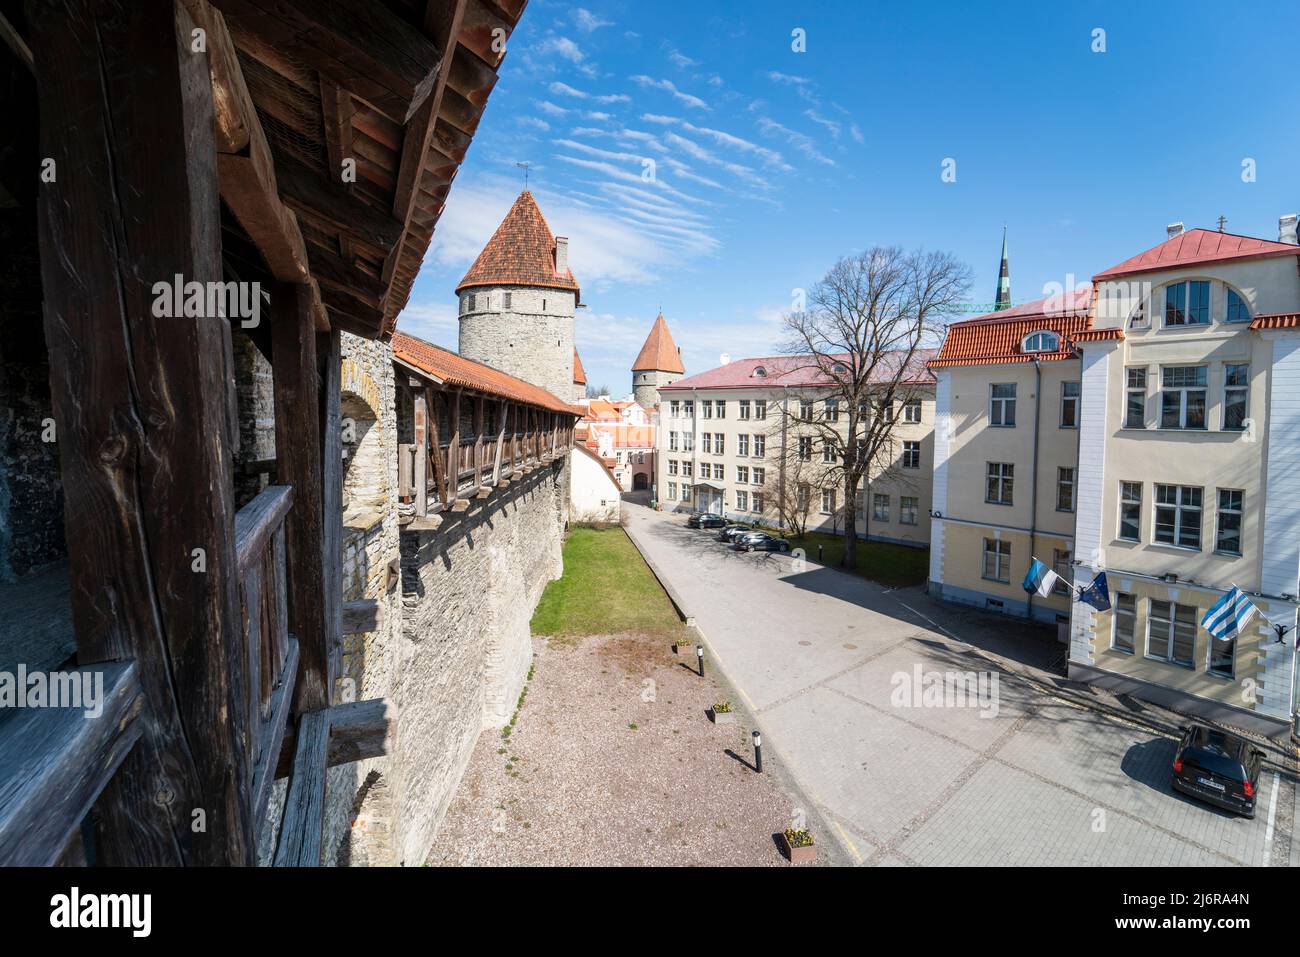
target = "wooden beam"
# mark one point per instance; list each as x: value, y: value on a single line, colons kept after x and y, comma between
x: 361, y: 616
x: 304, y: 805
x: 502, y: 409
x: 298, y: 450
x: 453, y: 450
x: 437, y: 462
x: 358, y: 730
x: 273, y: 732
x: 55, y: 761
x: 142, y: 408
x: 334, y: 207
x: 478, y: 439
x: 329, y: 352
x: 420, y: 419
x: 430, y: 523
x: 363, y: 47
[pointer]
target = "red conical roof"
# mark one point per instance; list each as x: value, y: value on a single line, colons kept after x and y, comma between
x: 659, y: 352
x: 579, y: 374
x: 520, y: 253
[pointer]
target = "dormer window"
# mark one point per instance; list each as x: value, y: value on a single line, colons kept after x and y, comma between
x: 760, y: 372
x: 839, y: 368
x: 1042, y: 341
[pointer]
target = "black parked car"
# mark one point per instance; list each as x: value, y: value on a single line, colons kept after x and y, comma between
x: 1219, y: 768
x: 729, y: 533
x: 760, y: 542
x: 706, y: 521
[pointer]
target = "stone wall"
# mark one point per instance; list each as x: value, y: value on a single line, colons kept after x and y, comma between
x: 255, y: 401
x: 532, y: 339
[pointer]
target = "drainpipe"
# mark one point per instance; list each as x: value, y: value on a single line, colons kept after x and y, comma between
x: 780, y: 508
x: 1033, y: 498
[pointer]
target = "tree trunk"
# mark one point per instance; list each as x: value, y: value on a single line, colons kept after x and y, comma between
x: 849, y: 559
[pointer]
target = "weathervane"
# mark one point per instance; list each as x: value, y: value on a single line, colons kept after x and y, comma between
x: 526, y: 166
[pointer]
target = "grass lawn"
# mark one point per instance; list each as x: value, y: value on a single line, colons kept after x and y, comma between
x: 606, y: 589
x: 894, y: 565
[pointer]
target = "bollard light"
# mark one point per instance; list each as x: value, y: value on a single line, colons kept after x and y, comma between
x: 819, y: 553
x: 699, y: 654
x: 758, y: 752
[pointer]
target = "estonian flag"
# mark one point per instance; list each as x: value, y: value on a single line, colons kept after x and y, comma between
x: 1229, y: 615
x: 1097, y: 594
x: 1040, y: 579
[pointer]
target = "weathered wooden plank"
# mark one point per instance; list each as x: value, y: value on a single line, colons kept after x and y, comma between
x: 335, y: 208
x: 232, y: 105
x: 329, y: 350
x: 358, y: 730
x: 420, y: 419
x: 362, y: 615
x: 363, y: 47
x: 478, y: 439
x: 257, y: 521
x: 298, y: 449
x: 272, y: 733
x: 141, y: 403
x: 55, y: 761
x: 405, y: 471
x: 502, y: 409
x: 304, y: 805
x: 435, y: 458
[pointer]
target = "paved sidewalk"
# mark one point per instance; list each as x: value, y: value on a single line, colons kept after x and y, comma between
x: 1042, y: 772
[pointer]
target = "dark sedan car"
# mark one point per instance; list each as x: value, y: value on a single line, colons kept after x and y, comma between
x: 706, y: 521
x: 730, y: 533
x: 1219, y: 768
x: 760, y: 542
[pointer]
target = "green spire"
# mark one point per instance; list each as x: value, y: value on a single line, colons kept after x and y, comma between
x: 1003, y: 300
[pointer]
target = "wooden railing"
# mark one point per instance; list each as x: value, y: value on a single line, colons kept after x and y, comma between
x: 270, y: 651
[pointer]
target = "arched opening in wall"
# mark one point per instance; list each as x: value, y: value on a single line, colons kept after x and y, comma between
x: 640, y: 482
x: 365, y: 469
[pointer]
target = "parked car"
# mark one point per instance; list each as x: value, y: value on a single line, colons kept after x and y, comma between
x: 1219, y: 768
x: 705, y: 520
x: 760, y: 542
x: 729, y: 533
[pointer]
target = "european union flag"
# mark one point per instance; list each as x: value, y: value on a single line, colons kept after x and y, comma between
x: 1097, y: 594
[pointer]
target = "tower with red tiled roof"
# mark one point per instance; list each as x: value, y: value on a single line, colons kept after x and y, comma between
x: 658, y: 364
x: 518, y: 300
x: 579, y: 379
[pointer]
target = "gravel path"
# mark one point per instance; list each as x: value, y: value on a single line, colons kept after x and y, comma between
x: 613, y: 761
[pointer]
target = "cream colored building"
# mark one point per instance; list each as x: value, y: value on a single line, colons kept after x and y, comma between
x: 1190, y: 452
x: 1007, y: 413
x: 720, y: 442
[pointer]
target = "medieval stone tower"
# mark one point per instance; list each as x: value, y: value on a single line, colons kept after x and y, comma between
x: 518, y: 300
x: 659, y: 363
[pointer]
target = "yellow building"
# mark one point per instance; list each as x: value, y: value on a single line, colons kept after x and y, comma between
x: 1005, y: 456
x: 1187, y: 480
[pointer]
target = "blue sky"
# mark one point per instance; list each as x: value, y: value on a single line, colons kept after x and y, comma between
x: 770, y: 164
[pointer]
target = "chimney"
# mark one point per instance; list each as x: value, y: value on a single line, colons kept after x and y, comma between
x: 561, y: 255
x: 1174, y: 229
x: 1286, y: 229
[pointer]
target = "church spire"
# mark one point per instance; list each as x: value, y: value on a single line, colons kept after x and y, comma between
x: 1003, y: 300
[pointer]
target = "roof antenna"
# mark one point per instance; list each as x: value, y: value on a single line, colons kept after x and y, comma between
x: 525, y: 166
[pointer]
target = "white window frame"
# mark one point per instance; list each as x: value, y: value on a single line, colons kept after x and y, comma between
x: 1131, y: 391
x: 1114, y: 625
x: 1179, y: 507
x: 1126, y: 500
x: 1183, y: 391
x: 909, y: 514
x: 999, y: 404
x: 1230, y: 391
x: 1169, y: 626
x: 1001, y: 552
x: 1219, y: 511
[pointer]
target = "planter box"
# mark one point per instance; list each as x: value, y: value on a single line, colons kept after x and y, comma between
x: 799, y: 855
x: 684, y: 648
x: 723, y: 717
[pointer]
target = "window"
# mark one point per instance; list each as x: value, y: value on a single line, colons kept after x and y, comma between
x: 1001, y: 478
x: 1061, y: 565
x: 719, y: 471
x: 706, y: 470
x: 719, y: 443
x: 742, y: 500
x: 803, y: 495
x: 1069, y: 405
x: 907, y: 510
x: 1171, y: 632
x: 1178, y: 515
x: 686, y: 493
x: 506, y: 299
x: 997, y: 560
x: 688, y: 469
x: 688, y: 441
x: 742, y: 445
x: 805, y: 410
x: 1187, y: 303
x: 760, y: 409
x: 674, y: 409
x: 759, y: 475
x: 672, y: 490
x: 742, y: 474
x: 760, y: 446
x: 828, y: 501
x: 1130, y: 511
x: 1135, y: 412
x: 1182, y: 397
x: 912, y: 410
x: 706, y: 441
x: 911, y: 455
x: 1124, y: 623
x: 672, y: 466
x: 672, y: 441
x: 760, y: 371
x: 464, y: 304
x: 832, y: 410
x: 758, y: 502
x: 828, y: 453
x: 1065, y: 490
x: 1222, y: 654
x: 706, y: 408
x: 1043, y: 341
x: 880, y: 507
x: 1002, y: 405
x: 688, y: 408
x: 1237, y: 311
x: 805, y: 448
x: 1227, y: 535
x: 744, y: 409
x: 720, y: 407
x: 1236, y: 391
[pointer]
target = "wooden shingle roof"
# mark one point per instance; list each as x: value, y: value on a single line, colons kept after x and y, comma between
x: 520, y: 253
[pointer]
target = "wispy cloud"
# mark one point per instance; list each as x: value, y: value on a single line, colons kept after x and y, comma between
x: 565, y: 48
x: 563, y: 89
x: 586, y: 21
x: 680, y: 59
x: 669, y: 86
x: 828, y: 124
x: 800, y: 141
x: 532, y: 121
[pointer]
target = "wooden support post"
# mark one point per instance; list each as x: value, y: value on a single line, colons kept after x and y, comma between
x: 435, y: 456
x: 141, y: 404
x: 478, y: 439
x: 298, y: 451
x: 421, y: 422
x: 329, y: 350
x: 304, y: 805
x: 502, y: 409
x: 453, y: 449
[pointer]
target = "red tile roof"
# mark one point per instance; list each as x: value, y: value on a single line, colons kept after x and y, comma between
x: 446, y: 366
x: 1198, y: 246
x: 579, y: 374
x: 791, y: 371
x: 1279, y: 320
x: 1097, y: 335
x: 659, y: 352
x: 520, y: 253
x: 995, y: 337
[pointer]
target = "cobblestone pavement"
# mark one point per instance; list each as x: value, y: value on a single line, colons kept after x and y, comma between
x: 1045, y: 771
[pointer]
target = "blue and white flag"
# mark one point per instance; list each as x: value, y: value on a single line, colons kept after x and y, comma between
x: 1097, y: 594
x: 1229, y: 615
x: 1040, y: 579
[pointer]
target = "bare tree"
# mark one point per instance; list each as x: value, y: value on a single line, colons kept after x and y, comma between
x: 854, y: 353
x: 796, y: 477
